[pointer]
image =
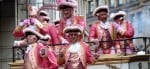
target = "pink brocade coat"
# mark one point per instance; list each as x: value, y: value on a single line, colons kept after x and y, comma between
x: 33, y: 59
x: 84, y: 54
x: 75, y: 20
x: 96, y: 32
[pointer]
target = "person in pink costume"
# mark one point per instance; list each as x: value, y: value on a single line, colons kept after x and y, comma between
x: 67, y: 9
x: 26, y: 23
x: 56, y: 22
x: 124, y: 30
x: 29, y: 22
x: 48, y: 28
x: 77, y: 53
x: 102, y: 30
x: 38, y: 56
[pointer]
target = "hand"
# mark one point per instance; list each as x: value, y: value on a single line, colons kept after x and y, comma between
x: 116, y: 25
x: 16, y: 43
x: 96, y: 42
x: 20, y: 43
x: 32, y: 21
x: 64, y: 41
x: 96, y: 55
x: 26, y: 22
x: 46, y: 37
x: 121, y: 31
x: 43, y: 42
x: 119, y: 52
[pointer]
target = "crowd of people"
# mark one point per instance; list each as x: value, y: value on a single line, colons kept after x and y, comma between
x: 38, y: 34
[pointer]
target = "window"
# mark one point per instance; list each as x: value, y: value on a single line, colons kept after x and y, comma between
x: 132, y: 0
x: 112, y: 3
x: 120, y: 2
x: 91, y: 6
x: 37, y: 3
x: 132, y: 18
x: 100, y: 2
x: 149, y: 12
x: 139, y: 21
x: 52, y: 13
x: 22, y: 12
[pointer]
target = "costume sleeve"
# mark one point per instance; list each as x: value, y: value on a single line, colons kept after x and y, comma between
x: 43, y: 30
x: 82, y: 22
x: 54, y: 34
x: 130, y: 31
x: 53, y: 60
x: 52, y: 31
x: 18, y: 32
x: 88, y: 54
x: 60, y: 28
x: 92, y: 32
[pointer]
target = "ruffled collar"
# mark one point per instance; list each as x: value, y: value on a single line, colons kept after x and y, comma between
x: 104, y: 25
x: 74, y: 47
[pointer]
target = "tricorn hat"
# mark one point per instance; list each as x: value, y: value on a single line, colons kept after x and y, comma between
x: 42, y: 12
x: 69, y: 3
x: 100, y: 8
x: 73, y: 29
x: 118, y: 14
x: 29, y: 31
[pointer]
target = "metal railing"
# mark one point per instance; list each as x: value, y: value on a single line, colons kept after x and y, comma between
x: 146, y: 45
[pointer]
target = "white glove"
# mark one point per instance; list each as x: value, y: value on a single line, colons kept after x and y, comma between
x: 46, y: 37
x: 20, y: 43
x: 96, y: 42
x: 64, y: 41
x: 16, y: 43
